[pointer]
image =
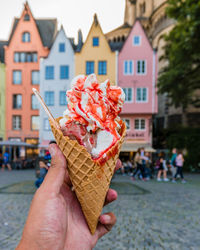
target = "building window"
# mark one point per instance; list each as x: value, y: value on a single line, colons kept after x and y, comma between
x: 63, y: 98
x: 16, y: 122
x: 140, y: 124
x: 29, y: 57
x: 64, y: 72
x: 35, y: 77
x: 61, y: 47
x: 46, y: 124
x: 34, y: 102
x: 49, y: 98
x: 17, y: 101
x: 136, y: 40
x: 17, y: 77
x: 35, y: 122
x: 95, y: 41
x: 34, y: 57
x: 16, y: 57
x: 89, y: 67
x: 127, y: 122
x: 26, y: 37
x: 22, y: 57
x: 141, y: 67
x: 26, y: 17
x: 49, y: 72
x: 128, y: 94
x: 141, y: 95
x: 102, y: 68
x: 128, y: 67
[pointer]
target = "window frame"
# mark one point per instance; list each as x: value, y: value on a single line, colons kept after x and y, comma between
x: 52, y: 92
x: 128, y: 72
x: 102, y: 68
x: 33, y: 95
x: 62, y: 104
x: 67, y: 76
x: 94, y: 41
x: 60, y: 48
x: 147, y: 95
x: 49, y: 127
x: 32, y: 77
x: 90, y: 66
x: 20, y: 122
x: 38, y: 123
x: 141, y: 67
x: 16, y: 70
x: 139, y: 44
x: 24, y: 36
x: 132, y: 92
x: 13, y: 102
x: 129, y: 121
x: 53, y: 72
x: 140, y: 123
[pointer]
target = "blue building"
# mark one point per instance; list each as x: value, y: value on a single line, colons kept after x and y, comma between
x: 56, y: 73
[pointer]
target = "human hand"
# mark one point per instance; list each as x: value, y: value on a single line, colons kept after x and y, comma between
x: 55, y: 219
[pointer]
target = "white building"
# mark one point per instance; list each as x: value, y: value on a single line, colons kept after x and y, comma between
x: 56, y: 73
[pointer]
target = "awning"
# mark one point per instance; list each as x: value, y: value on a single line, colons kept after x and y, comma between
x: 17, y: 144
x: 133, y: 147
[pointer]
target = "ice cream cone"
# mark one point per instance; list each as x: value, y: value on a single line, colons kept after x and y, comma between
x: 90, y: 179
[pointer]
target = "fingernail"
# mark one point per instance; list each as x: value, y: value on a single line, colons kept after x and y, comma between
x: 106, y: 218
x: 52, y: 150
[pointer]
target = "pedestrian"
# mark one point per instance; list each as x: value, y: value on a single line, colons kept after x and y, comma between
x: 162, y: 168
x: 173, y: 162
x: 6, y: 162
x: 179, y: 165
x: 43, y: 164
x: 138, y: 163
x: 148, y: 165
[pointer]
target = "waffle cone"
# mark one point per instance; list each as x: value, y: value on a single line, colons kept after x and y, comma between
x: 90, y: 179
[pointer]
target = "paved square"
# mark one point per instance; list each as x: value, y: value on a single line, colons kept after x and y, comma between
x: 150, y: 215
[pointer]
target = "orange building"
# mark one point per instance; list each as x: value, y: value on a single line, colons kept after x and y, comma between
x: 30, y: 39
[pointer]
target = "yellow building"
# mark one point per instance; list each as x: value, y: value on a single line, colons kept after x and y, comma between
x: 96, y: 56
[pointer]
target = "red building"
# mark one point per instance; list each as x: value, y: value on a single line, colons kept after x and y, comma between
x: 30, y: 39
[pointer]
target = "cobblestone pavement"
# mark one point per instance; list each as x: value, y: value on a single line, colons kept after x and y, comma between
x: 150, y: 215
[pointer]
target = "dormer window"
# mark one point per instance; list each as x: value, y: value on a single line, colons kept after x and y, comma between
x: 26, y: 37
x: 27, y: 17
x: 136, y: 40
x: 95, y: 41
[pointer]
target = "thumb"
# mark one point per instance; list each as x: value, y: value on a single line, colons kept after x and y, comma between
x: 56, y: 173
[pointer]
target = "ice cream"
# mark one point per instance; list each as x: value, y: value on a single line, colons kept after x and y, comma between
x: 92, y: 114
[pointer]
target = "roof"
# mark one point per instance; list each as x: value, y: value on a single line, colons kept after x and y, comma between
x: 116, y: 45
x: 2, y: 44
x: 47, y: 29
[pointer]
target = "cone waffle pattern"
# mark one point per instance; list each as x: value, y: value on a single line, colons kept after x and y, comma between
x: 90, y: 180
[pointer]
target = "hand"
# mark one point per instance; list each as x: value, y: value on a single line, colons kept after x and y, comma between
x: 55, y: 219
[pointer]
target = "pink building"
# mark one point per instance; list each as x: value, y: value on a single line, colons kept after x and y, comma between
x: 137, y: 74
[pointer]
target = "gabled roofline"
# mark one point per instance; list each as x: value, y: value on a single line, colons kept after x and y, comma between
x: 137, y: 20
x: 96, y: 23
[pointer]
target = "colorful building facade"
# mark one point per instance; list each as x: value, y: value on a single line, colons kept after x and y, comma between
x: 96, y: 55
x: 56, y: 73
x: 137, y: 73
x: 30, y: 39
x: 2, y: 90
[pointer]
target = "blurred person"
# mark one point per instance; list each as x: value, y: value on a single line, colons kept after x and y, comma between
x: 179, y: 165
x: 138, y: 163
x: 55, y: 219
x: 173, y: 162
x: 43, y: 165
x: 6, y: 162
x: 148, y: 165
x: 162, y: 168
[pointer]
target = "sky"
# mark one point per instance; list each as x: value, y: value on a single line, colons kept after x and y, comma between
x: 73, y: 14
